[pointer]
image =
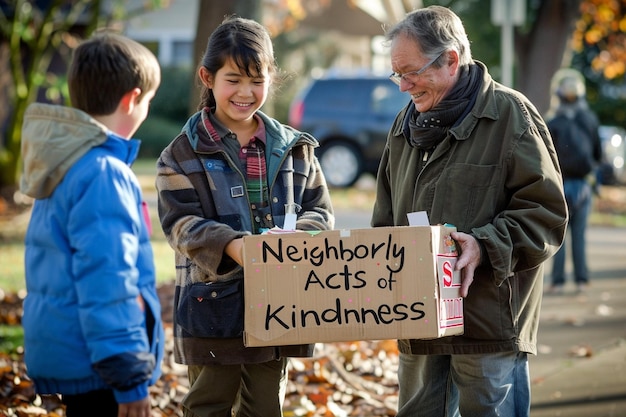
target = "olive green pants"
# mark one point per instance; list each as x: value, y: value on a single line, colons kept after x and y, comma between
x: 250, y: 390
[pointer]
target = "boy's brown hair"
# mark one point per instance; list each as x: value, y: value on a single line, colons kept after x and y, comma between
x: 107, y: 66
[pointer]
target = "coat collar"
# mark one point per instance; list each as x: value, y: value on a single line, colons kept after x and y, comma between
x: 484, y: 107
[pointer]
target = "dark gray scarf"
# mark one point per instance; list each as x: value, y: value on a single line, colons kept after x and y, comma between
x: 429, y: 128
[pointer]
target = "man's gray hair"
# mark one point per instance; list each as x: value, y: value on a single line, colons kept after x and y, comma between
x: 435, y: 29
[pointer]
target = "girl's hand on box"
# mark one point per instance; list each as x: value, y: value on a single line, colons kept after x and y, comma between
x: 234, y: 249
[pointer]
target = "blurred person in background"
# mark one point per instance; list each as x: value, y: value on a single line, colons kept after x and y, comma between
x: 574, y: 129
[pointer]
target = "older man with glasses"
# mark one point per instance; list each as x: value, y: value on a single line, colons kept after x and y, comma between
x: 472, y: 153
x: 411, y: 76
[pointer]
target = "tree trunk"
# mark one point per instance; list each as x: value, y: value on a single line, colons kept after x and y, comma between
x: 210, y: 15
x: 7, y: 171
x: 542, y: 51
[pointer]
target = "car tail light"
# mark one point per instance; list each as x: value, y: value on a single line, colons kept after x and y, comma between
x: 295, y: 114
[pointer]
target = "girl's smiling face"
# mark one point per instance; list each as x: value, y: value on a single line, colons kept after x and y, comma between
x: 237, y: 95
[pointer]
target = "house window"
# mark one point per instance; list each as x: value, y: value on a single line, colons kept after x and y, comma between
x: 182, y: 53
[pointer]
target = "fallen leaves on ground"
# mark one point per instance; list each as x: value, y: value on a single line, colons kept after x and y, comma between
x: 581, y: 351
x: 352, y: 379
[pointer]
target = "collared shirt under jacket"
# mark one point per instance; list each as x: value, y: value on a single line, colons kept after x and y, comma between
x: 203, y: 206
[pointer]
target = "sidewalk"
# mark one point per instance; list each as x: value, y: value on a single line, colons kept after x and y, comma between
x: 580, y: 370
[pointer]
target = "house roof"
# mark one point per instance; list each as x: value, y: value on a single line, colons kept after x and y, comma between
x: 345, y: 18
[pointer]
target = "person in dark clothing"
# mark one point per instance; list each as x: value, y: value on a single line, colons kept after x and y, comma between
x: 574, y: 129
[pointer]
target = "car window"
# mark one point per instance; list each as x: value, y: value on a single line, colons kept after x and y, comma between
x: 387, y: 100
x: 342, y: 95
x: 353, y: 98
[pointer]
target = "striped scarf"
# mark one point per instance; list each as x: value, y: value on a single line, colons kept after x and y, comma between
x: 256, y: 178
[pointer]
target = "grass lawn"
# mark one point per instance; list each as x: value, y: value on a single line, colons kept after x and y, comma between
x: 12, y: 233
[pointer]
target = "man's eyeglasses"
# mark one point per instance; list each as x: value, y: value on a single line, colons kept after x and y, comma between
x: 411, y: 77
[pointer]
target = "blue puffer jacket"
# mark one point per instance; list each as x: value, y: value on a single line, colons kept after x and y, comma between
x: 92, y: 317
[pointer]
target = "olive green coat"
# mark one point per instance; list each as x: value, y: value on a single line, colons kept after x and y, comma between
x: 495, y: 176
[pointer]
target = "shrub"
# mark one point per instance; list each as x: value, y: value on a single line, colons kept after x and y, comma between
x: 156, y: 133
x: 172, y: 98
x: 168, y: 112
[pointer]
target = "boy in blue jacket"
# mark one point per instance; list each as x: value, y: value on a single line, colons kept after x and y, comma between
x: 92, y: 320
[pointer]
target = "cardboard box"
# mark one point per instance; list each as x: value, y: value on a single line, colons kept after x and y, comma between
x: 344, y: 285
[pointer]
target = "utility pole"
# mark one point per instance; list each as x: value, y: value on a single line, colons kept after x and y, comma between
x: 507, y: 13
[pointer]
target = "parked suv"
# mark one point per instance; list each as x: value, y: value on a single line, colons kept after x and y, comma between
x: 350, y: 117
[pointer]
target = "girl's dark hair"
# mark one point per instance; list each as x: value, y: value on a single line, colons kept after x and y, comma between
x: 247, y: 43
